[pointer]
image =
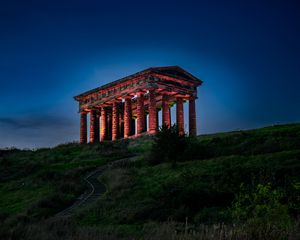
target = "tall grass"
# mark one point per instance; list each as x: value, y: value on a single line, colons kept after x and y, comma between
x: 221, y: 231
x: 67, y: 229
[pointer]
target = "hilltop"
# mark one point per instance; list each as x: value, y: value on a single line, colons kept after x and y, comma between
x: 146, y: 200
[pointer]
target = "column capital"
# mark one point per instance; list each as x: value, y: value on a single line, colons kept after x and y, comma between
x: 139, y: 93
x: 93, y: 110
x: 194, y: 94
x: 192, y: 97
x: 127, y: 97
x: 152, y: 90
x: 115, y: 101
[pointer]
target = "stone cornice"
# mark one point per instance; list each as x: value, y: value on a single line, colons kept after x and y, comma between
x: 147, y: 75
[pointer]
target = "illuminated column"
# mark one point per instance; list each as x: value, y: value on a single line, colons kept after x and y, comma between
x: 108, y: 125
x: 98, y: 124
x: 179, y: 115
x: 152, y: 113
x: 140, y: 114
x: 132, y: 125
x: 145, y: 122
x: 127, y: 117
x: 192, y: 117
x: 121, y: 122
x: 166, y: 115
x: 97, y: 133
x: 103, y: 122
x: 94, y: 130
x: 157, y: 118
x: 83, y: 128
x: 115, y: 120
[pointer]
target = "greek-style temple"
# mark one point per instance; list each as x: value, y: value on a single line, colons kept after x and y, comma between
x: 129, y: 106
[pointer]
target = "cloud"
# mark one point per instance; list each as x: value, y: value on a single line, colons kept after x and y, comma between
x: 32, y: 131
x: 32, y: 122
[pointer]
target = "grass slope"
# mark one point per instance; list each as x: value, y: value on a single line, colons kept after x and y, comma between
x: 40, y: 182
x: 203, y: 185
x: 200, y: 189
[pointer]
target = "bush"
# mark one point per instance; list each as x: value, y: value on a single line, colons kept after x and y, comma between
x: 168, y: 145
x: 262, y: 206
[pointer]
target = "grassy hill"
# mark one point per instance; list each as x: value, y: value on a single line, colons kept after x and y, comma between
x: 214, y: 177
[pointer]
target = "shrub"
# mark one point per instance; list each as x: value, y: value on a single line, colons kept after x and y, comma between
x: 261, y: 206
x: 168, y: 145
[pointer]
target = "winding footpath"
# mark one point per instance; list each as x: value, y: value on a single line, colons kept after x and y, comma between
x: 96, y: 188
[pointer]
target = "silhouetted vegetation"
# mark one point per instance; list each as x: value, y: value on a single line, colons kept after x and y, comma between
x: 168, y: 145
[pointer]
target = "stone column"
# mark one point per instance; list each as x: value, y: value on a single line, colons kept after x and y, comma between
x: 121, y: 122
x: 127, y: 117
x: 109, y: 125
x: 145, y: 122
x: 98, y: 125
x: 157, y: 118
x: 152, y: 113
x: 83, y: 128
x: 140, y: 114
x: 179, y: 115
x: 192, y: 117
x: 103, y: 122
x: 115, y: 121
x: 94, y: 130
x: 166, y: 115
x: 132, y: 124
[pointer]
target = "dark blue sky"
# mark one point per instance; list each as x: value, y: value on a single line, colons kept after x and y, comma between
x: 246, y: 52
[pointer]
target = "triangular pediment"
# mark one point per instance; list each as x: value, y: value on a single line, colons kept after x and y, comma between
x: 170, y: 71
x: 176, y: 71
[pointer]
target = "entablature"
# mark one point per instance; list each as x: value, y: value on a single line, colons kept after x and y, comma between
x: 157, y: 79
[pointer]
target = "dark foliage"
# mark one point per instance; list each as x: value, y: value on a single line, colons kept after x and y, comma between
x: 168, y: 145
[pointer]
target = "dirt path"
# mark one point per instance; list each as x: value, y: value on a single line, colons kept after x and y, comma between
x: 96, y: 188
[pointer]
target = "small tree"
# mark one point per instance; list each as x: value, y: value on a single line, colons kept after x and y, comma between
x: 168, y: 145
